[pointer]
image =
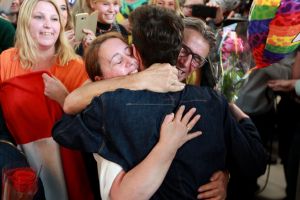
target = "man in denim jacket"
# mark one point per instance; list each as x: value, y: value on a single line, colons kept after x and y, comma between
x: 134, y: 119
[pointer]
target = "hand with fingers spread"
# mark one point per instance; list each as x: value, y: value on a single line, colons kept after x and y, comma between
x: 175, y: 129
x: 161, y: 77
x: 216, y: 189
x: 149, y: 174
x: 54, y: 89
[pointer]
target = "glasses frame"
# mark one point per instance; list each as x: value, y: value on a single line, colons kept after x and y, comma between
x: 194, y: 57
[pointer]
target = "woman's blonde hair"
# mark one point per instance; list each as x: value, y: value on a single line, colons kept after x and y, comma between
x: 27, y: 47
x: 177, y: 6
x: 70, y: 24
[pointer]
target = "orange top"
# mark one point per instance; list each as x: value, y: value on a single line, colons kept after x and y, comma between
x: 34, y: 121
x: 72, y: 75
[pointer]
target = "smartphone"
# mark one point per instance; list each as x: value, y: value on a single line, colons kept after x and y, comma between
x: 85, y: 21
x: 230, y: 21
x: 203, y: 11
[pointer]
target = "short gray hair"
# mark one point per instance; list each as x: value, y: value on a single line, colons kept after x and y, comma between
x: 200, y: 26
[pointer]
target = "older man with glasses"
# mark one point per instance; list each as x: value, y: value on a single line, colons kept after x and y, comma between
x: 198, y: 40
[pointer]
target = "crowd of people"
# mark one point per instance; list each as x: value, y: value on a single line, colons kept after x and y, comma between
x: 133, y: 111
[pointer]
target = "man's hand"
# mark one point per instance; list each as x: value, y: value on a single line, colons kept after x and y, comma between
x: 54, y: 89
x: 282, y: 85
x: 216, y: 189
x: 161, y: 77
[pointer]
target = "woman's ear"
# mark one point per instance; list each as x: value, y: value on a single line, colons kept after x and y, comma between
x: 98, y: 78
x: 137, y: 56
x: 134, y: 52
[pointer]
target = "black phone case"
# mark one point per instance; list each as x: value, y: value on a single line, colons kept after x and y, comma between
x: 203, y: 11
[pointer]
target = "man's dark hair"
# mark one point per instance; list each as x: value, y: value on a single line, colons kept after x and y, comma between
x: 157, y: 34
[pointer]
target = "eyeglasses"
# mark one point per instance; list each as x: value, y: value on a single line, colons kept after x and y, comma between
x: 197, y: 60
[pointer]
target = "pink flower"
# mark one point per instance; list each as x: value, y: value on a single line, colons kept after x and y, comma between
x: 232, y: 44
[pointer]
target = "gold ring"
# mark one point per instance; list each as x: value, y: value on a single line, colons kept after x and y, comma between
x: 188, y: 128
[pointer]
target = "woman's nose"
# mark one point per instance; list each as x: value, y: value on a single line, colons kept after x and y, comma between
x: 130, y: 61
x: 46, y: 23
x: 111, y: 7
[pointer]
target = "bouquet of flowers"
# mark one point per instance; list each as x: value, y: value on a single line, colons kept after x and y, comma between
x: 234, y: 63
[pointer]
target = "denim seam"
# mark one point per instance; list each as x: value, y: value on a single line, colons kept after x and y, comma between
x: 149, y: 104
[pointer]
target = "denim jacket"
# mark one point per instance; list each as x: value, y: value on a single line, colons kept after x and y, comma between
x: 123, y: 126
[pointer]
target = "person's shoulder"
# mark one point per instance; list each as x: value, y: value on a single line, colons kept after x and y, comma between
x: 74, y: 65
x: 10, y: 64
x: 6, y: 25
x: 116, y: 98
x: 202, y: 90
x: 205, y: 93
x: 8, y: 55
x: 125, y: 95
x: 10, y: 51
x: 76, y: 62
x: 128, y: 92
x: 122, y: 29
x: 72, y: 74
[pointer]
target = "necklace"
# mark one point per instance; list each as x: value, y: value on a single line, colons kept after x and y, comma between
x: 101, y: 31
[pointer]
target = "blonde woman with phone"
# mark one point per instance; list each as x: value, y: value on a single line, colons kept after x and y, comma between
x: 106, y: 21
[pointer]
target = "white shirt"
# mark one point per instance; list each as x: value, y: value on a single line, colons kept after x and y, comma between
x: 107, y: 172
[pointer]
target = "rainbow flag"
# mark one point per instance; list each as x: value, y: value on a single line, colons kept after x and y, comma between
x: 274, y: 30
